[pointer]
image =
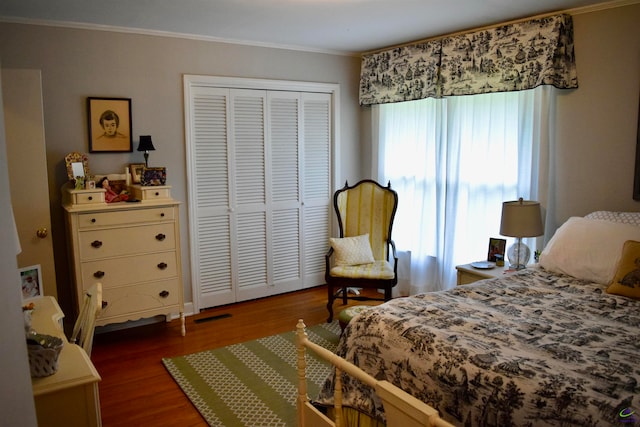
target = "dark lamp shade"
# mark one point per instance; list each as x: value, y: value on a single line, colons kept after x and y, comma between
x: 145, y: 143
x: 521, y: 218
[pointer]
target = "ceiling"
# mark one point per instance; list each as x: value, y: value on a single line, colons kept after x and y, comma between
x: 332, y: 26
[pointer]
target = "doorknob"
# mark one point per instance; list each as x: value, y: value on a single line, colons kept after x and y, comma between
x: 42, y: 232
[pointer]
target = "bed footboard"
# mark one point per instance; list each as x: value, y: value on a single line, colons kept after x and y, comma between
x: 401, y: 409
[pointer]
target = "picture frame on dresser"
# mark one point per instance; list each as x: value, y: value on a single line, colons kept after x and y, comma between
x: 153, y: 176
x: 109, y: 124
x: 77, y: 164
x: 31, y: 281
x: 135, y: 170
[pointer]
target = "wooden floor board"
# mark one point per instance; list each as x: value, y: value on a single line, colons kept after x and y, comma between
x: 136, y: 390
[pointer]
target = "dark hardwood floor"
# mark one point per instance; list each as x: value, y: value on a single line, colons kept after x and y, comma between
x: 136, y: 390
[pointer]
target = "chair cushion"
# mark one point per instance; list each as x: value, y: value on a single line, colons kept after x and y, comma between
x: 352, y: 250
x: 374, y: 270
x: 347, y: 314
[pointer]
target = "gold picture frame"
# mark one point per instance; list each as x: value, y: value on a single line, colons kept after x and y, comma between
x: 135, y: 170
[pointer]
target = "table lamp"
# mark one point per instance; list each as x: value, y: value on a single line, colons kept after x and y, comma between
x: 146, y: 145
x: 520, y: 218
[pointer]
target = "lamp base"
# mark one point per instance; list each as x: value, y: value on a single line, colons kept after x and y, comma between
x: 519, y: 255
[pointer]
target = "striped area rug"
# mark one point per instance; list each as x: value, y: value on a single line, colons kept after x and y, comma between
x: 252, y: 383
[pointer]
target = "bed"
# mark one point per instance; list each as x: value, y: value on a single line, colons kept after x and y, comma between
x: 557, y: 344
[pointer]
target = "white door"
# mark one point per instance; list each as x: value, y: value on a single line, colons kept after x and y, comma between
x: 24, y: 122
x: 317, y: 200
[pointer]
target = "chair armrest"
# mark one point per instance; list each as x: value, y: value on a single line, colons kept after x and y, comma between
x: 327, y: 262
x: 395, y: 257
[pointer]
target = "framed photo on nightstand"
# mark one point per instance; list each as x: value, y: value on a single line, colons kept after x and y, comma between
x: 496, y: 247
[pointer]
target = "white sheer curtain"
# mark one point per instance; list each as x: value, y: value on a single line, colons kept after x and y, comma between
x: 453, y: 162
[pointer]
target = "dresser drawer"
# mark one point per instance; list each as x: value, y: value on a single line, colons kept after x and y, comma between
x: 98, y: 244
x: 103, y: 219
x: 129, y: 300
x: 86, y: 197
x: 151, y: 192
x: 114, y: 272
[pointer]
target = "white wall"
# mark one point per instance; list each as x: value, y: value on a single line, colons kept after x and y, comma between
x: 16, y: 395
x: 76, y: 64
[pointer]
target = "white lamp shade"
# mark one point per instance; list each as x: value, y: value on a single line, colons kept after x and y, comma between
x: 521, y: 218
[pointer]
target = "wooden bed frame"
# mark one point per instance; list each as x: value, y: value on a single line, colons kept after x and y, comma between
x: 401, y: 409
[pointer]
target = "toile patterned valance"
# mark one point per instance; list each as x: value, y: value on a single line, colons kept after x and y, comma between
x: 511, y: 57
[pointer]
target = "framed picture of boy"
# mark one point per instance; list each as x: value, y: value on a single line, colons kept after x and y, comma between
x: 109, y: 125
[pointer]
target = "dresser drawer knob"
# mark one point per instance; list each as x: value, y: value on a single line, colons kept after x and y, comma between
x: 162, y: 215
x: 162, y: 265
x: 93, y: 220
x: 90, y: 197
x: 104, y: 304
x: 164, y: 294
x: 96, y: 244
x: 157, y: 193
x: 98, y: 274
x: 160, y: 237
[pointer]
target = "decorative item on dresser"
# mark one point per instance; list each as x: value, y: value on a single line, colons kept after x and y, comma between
x: 133, y: 249
x: 146, y: 145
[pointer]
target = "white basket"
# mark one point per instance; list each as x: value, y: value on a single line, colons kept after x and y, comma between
x: 43, y: 354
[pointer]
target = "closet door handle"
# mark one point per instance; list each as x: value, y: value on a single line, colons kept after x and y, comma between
x: 164, y: 294
x: 98, y: 274
x: 160, y: 237
x: 96, y: 244
x: 162, y: 265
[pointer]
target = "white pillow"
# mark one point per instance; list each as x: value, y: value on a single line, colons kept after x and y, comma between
x: 588, y: 249
x: 352, y: 250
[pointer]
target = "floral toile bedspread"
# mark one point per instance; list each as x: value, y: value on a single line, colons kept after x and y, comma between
x: 529, y: 349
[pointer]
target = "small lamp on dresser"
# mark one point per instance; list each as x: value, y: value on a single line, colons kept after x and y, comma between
x: 146, y: 145
x: 520, y: 218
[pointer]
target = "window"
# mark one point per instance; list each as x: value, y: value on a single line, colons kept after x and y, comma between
x: 453, y: 162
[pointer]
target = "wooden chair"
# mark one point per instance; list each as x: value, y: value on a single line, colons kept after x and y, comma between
x: 366, y: 208
x: 86, y: 322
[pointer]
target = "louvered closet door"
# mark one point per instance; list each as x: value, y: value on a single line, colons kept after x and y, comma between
x: 284, y: 177
x: 249, y: 194
x: 209, y: 195
x: 259, y: 190
x: 316, y: 188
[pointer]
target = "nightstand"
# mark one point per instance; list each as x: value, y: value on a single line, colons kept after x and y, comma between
x: 469, y: 274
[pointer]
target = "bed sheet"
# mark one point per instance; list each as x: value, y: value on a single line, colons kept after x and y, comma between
x: 528, y: 349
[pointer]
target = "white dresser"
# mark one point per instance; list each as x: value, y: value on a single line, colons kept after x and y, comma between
x: 133, y: 249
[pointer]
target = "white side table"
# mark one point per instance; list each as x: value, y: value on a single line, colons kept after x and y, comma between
x: 469, y: 274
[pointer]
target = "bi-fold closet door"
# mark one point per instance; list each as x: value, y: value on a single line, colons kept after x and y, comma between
x: 260, y: 189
